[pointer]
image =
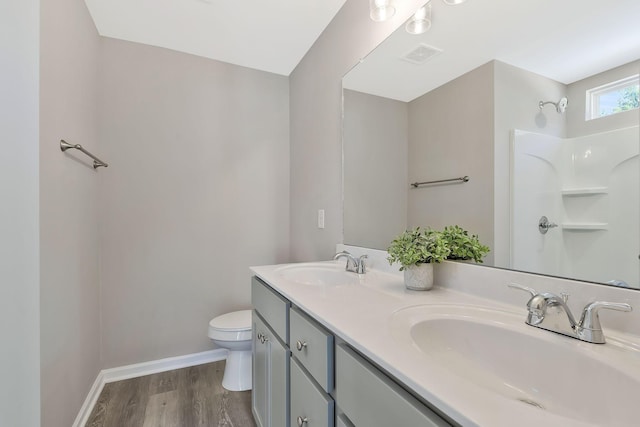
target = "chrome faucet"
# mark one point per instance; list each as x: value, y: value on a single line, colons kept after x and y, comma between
x: 550, y: 311
x: 355, y: 265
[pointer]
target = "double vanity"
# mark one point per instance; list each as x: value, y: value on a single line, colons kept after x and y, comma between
x: 336, y: 348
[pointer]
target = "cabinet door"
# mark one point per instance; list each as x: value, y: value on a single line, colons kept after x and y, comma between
x: 270, y: 395
x: 278, y: 382
x: 260, y: 392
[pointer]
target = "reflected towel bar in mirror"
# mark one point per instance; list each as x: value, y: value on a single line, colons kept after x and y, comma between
x: 64, y: 146
x: 462, y: 179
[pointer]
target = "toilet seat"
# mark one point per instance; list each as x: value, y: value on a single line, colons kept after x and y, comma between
x: 235, y: 326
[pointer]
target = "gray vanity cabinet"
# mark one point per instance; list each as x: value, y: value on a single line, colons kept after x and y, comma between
x: 270, y: 396
x: 302, y: 377
x: 368, y: 398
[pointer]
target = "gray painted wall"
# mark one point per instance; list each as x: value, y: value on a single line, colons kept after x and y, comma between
x: 451, y: 135
x: 69, y: 271
x: 517, y: 94
x: 19, y: 246
x: 439, y: 146
x: 375, y: 169
x: 577, y: 125
x: 316, y: 111
x: 196, y: 192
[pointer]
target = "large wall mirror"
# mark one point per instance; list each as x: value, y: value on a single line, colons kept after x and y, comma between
x: 535, y: 101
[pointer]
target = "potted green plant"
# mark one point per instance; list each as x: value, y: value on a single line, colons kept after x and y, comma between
x: 417, y: 250
x: 462, y: 245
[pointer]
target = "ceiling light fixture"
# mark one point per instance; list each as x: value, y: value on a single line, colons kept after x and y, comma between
x: 420, y: 22
x: 381, y: 10
x: 453, y: 2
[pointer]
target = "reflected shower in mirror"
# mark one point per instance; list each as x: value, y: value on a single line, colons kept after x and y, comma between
x: 536, y: 102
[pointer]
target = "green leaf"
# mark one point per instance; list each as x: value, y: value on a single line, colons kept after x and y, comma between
x: 463, y: 246
x: 418, y: 247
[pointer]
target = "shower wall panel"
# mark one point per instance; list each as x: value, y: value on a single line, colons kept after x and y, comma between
x: 587, y: 185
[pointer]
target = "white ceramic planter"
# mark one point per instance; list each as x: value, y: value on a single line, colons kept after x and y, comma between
x: 419, y: 277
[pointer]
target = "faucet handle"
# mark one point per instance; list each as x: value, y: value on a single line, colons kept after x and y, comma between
x: 589, y: 328
x: 532, y: 291
x: 362, y: 268
x: 590, y: 318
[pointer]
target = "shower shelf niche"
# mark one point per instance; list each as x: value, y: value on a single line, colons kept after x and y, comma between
x: 584, y: 191
x: 585, y: 226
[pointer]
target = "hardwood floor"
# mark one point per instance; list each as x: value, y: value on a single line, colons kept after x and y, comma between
x: 186, y: 397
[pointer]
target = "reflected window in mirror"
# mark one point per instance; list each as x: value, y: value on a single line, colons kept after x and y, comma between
x: 612, y: 98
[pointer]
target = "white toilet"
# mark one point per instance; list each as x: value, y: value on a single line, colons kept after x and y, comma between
x: 233, y: 332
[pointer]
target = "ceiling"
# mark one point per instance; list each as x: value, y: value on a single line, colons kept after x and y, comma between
x: 564, y: 40
x: 269, y: 35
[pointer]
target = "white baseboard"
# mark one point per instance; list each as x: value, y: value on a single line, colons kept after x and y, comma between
x: 162, y: 365
x: 90, y: 401
x: 141, y: 369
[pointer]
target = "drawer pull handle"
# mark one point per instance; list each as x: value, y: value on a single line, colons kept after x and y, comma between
x: 302, y: 421
x: 300, y: 345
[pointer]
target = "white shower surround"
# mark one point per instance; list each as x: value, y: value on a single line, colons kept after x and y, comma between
x: 588, y: 185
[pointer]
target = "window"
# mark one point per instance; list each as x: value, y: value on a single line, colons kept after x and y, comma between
x: 612, y: 98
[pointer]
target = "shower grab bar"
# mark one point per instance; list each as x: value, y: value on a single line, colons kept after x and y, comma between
x: 462, y: 179
x: 64, y: 146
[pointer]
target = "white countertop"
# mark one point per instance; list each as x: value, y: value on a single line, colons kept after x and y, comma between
x: 361, y: 313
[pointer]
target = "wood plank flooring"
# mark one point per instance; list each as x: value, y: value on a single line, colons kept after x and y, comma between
x: 189, y: 397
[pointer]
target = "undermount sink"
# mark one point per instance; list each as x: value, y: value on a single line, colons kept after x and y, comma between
x: 497, y: 352
x: 318, y: 274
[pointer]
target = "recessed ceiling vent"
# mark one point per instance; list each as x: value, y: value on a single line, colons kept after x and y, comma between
x: 421, y: 54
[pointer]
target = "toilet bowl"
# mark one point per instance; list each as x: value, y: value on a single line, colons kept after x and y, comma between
x: 233, y: 332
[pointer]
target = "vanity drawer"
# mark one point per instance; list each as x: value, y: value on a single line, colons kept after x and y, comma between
x: 359, y: 383
x: 310, y: 406
x: 273, y: 307
x: 342, y: 421
x: 312, y: 346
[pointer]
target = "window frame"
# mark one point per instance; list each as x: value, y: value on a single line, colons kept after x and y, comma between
x: 594, y: 94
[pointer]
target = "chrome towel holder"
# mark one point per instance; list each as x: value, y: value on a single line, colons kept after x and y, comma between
x: 64, y: 146
x: 461, y: 180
